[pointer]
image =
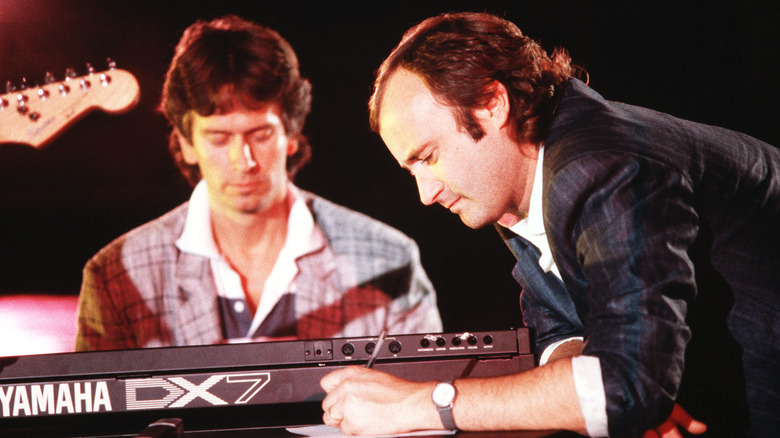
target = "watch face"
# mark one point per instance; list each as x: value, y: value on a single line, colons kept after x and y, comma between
x: 443, y: 394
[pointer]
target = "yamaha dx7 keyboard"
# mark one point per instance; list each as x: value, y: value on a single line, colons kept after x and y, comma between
x: 268, y: 383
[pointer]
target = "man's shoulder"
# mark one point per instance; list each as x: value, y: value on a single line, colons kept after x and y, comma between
x: 154, y: 238
x: 344, y: 226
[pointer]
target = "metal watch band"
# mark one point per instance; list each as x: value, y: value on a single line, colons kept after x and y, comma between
x: 446, y: 417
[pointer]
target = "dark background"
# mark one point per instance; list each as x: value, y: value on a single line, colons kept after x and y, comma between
x: 716, y: 63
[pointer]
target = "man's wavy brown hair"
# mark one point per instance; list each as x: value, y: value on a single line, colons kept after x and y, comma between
x: 229, y: 60
x: 459, y: 56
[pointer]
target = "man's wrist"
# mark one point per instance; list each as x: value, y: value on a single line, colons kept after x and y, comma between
x: 443, y: 397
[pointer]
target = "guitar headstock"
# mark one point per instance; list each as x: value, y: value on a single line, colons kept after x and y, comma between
x: 35, y: 115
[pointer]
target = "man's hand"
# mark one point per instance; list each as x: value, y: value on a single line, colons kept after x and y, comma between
x: 361, y: 401
x: 679, y: 419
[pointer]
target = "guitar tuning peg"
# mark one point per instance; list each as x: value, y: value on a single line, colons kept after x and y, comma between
x: 90, y: 68
x: 23, y: 84
x: 9, y: 87
x: 49, y: 78
x: 70, y: 73
x: 111, y: 63
x: 105, y: 79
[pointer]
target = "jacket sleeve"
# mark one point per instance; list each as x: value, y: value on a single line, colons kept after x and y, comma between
x: 414, y: 308
x: 101, y: 325
x: 382, y: 265
x: 621, y: 243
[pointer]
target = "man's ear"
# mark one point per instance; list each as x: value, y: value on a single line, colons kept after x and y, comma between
x: 187, y: 150
x: 292, y: 146
x: 497, y: 109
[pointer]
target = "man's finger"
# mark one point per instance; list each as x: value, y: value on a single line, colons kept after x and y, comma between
x: 651, y: 434
x: 332, y: 380
x: 684, y: 419
x: 668, y: 430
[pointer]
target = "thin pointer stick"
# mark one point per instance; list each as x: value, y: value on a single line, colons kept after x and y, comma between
x: 375, y: 353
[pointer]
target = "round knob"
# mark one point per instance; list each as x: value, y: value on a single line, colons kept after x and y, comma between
x: 348, y: 349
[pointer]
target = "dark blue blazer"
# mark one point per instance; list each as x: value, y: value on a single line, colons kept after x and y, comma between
x: 667, y: 235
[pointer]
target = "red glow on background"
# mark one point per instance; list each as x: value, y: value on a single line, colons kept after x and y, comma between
x: 37, y: 324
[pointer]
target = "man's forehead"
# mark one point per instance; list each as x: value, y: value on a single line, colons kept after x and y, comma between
x: 239, y: 119
x: 403, y: 124
x: 404, y: 96
x: 403, y: 86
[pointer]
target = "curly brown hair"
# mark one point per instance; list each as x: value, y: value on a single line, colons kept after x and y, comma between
x: 459, y: 56
x: 230, y: 59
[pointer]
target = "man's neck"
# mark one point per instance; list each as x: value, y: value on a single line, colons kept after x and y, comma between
x: 531, y: 176
x: 508, y: 220
x: 241, y: 234
x: 251, y: 244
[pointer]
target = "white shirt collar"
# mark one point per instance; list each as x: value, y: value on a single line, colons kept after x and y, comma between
x: 197, y: 238
x: 303, y: 237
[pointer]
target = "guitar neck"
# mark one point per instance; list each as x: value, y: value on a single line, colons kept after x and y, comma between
x: 34, y: 116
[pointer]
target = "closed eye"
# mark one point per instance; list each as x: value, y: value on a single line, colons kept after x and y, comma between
x: 428, y: 157
x: 218, y: 138
x: 261, y: 135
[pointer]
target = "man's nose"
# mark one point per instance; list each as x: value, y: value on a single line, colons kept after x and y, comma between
x: 429, y: 189
x: 243, y: 157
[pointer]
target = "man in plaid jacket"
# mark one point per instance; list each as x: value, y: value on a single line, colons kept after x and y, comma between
x: 250, y: 255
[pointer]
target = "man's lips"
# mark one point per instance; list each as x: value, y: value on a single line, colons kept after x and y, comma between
x: 246, y: 185
x: 452, y: 204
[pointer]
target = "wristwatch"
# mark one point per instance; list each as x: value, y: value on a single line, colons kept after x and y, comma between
x: 443, y: 397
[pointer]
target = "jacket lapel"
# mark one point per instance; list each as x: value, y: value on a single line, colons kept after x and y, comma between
x: 318, y: 304
x: 196, y: 307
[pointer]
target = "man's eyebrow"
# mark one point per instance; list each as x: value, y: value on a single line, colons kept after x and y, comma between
x: 259, y: 127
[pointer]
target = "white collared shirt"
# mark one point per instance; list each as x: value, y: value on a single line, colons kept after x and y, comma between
x: 586, y: 369
x: 303, y: 237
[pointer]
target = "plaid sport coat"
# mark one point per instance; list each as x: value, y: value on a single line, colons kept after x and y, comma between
x: 141, y: 291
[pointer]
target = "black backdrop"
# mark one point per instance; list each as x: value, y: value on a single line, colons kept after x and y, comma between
x: 715, y: 63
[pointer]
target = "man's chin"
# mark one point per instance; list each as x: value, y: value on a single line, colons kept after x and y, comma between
x: 250, y: 206
x: 473, y: 223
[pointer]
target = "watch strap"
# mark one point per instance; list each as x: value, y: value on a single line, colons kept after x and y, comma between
x: 446, y: 417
